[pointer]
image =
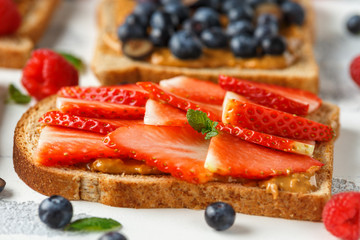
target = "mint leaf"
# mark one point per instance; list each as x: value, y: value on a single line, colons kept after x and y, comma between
x: 16, y: 96
x: 199, y: 121
x: 75, y: 61
x: 93, y: 224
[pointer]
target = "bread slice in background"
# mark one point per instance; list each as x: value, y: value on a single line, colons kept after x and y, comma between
x: 164, y: 191
x: 112, y: 67
x: 16, y: 49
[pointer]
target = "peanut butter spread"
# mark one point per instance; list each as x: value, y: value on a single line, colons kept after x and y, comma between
x: 211, y: 58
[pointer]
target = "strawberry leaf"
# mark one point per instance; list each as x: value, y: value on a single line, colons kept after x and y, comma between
x: 199, y: 121
x: 16, y: 96
x: 74, y: 61
x: 93, y: 224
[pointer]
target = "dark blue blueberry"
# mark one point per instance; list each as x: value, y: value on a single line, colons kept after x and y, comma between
x: 179, y: 10
x: 207, y: 16
x: 214, y: 38
x: 164, y: 2
x: 214, y: 4
x: 265, y: 31
x: 2, y: 184
x: 145, y: 9
x: 127, y: 31
x: 293, y: 13
x: 193, y: 26
x: 55, y: 211
x: 227, y: 5
x: 239, y: 27
x: 240, y: 13
x: 275, y: 45
x: 255, y: 3
x: 113, y: 236
x: 353, y: 24
x: 244, y: 46
x: 185, y: 45
x: 220, y: 216
x: 137, y: 19
x: 266, y: 18
x: 161, y: 19
x: 160, y: 37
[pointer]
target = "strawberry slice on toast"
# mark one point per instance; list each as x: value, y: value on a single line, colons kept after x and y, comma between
x: 66, y: 146
x: 289, y: 100
x: 158, y: 113
x: 96, y: 109
x: 102, y: 126
x: 129, y: 95
x: 231, y: 156
x: 194, y: 89
x: 274, y: 122
x: 214, y: 112
x: 177, y: 150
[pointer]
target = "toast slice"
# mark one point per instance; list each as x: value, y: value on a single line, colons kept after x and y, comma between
x: 111, y: 67
x: 16, y: 49
x: 163, y: 191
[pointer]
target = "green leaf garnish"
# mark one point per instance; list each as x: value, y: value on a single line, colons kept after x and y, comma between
x: 93, y: 224
x: 16, y: 96
x: 199, y: 121
x: 75, y: 61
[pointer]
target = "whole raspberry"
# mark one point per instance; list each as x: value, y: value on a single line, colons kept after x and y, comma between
x: 10, y: 18
x: 46, y: 72
x: 355, y: 70
x: 341, y: 215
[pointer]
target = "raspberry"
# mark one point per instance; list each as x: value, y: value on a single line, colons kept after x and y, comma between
x: 341, y: 215
x: 355, y: 70
x: 46, y: 72
x: 10, y: 18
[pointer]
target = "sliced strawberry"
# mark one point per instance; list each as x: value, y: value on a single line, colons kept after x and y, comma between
x: 102, y: 126
x: 158, y: 113
x: 194, y: 89
x: 266, y: 140
x: 213, y: 111
x: 114, y: 94
x: 180, y: 151
x: 284, y: 99
x: 274, y: 122
x: 231, y: 156
x: 95, y: 109
x: 65, y: 146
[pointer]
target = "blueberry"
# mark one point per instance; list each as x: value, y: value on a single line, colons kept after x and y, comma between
x: 240, y: 13
x: 230, y: 4
x: 267, y: 18
x: 244, y: 46
x: 134, y: 31
x: 207, y: 16
x: 220, y: 216
x: 239, y: 27
x: 193, y: 26
x: 274, y: 45
x: 293, y: 13
x: 145, y: 9
x: 161, y: 19
x: 265, y: 31
x: 160, y: 37
x: 255, y: 3
x: 214, y: 38
x: 353, y: 24
x: 137, y: 19
x: 164, y: 2
x: 55, y: 211
x: 214, y: 4
x: 185, y: 45
x: 2, y: 184
x: 113, y: 236
x: 179, y: 10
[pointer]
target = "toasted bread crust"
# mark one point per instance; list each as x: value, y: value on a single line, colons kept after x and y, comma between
x: 111, y: 67
x: 16, y: 49
x: 136, y: 191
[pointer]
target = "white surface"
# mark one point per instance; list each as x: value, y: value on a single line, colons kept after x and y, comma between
x: 73, y: 30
